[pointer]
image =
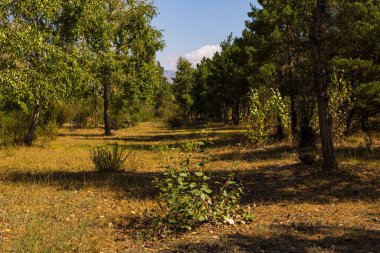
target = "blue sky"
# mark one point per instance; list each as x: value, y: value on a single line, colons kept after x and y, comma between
x: 195, y: 28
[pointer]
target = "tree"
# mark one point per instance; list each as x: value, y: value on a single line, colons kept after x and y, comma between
x: 183, y: 84
x: 35, y: 69
x: 321, y: 86
x: 123, y: 44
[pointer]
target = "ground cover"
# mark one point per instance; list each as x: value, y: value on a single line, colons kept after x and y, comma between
x: 52, y: 199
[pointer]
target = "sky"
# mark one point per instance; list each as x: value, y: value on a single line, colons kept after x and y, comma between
x: 193, y: 29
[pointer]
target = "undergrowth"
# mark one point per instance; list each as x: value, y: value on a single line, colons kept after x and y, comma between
x: 188, y: 199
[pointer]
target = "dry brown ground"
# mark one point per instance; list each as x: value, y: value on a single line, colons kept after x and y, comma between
x: 52, y: 200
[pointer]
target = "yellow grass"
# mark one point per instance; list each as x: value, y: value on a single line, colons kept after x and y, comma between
x: 52, y: 200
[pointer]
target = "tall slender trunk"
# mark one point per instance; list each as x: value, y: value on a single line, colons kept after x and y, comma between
x: 96, y: 109
x: 364, y: 122
x: 107, y: 126
x: 293, y: 112
x: 236, y: 112
x: 321, y: 85
x: 33, y: 124
x: 349, y: 119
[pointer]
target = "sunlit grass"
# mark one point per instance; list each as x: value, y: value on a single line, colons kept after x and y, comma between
x: 53, y: 200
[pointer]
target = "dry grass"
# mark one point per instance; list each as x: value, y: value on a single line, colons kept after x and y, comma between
x: 52, y: 200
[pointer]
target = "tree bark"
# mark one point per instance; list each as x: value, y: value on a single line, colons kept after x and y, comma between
x: 364, y: 122
x: 293, y: 112
x: 349, y: 119
x: 33, y: 125
x: 236, y: 112
x: 96, y: 109
x: 321, y: 85
x: 107, y: 126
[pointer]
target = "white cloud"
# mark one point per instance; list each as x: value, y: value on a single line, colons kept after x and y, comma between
x: 170, y: 61
x: 207, y: 51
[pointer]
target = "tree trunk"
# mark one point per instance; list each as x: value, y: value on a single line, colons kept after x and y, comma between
x: 321, y: 85
x: 293, y: 112
x: 96, y: 109
x: 364, y: 122
x: 280, y: 130
x: 349, y: 119
x: 306, y: 133
x: 33, y: 125
x: 236, y: 112
x: 107, y: 127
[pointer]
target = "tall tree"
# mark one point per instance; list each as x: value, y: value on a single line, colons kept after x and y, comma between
x: 123, y: 44
x: 321, y: 86
x: 183, y: 84
x: 35, y: 69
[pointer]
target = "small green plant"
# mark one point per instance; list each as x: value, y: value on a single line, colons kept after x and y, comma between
x: 188, y: 200
x: 205, y: 132
x: 368, y: 141
x: 192, y: 146
x: 109, y: 158
x: 163, y: 147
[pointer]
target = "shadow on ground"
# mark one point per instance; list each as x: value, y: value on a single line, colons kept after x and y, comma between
x: 292, y: 183
x: 295, y: 238
x: 131, y: 185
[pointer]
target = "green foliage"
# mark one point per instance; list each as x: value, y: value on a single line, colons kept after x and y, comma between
x: 188, y: 199
x: 176, y: 121
x: 13, y: 127
x: 60, y: 113
x: 260, y: 113
x: 109, y: 158
x: 48, y: 131
x: 192, y: 146
x: 165, y: 103
x: 183, y: 85
x: 277, y: 104
x: 82, y: 115
x: 340, y: 95
x: 257, y: 132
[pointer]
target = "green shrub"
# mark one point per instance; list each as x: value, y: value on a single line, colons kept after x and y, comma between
x: 176, y: 121
x: 192, y: 146
x: 109, y: 158
x: 13, y: 127
x: 49, y: 131
x: 188, y: 200
x: 83, y: 116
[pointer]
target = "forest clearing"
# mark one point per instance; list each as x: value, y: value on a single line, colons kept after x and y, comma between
x: 53, y: 200
x: 189, y: 126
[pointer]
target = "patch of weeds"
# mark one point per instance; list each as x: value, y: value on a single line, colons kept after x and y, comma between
x: 132, y: 162
x: 368, y: 141
x: 188, y: 200
x: 205, y: 132
x: 163, y: 148
x: 35, y: 239
x: 109, y: 158
x: 193, y: 146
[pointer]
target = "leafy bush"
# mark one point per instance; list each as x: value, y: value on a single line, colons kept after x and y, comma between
x: 13, y: 127
x: 83, y: 116
x: 192, y: 146
x: 257, y: 132
x: 176, y: 121
x: 261, y: 113
x: 188, y: 200
x: 48, y: 132
x: 109, y: 158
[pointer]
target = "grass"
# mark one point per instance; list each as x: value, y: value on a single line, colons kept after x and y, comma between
x: 53, y: 200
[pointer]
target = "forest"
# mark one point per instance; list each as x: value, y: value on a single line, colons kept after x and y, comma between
x: 270, y: 145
